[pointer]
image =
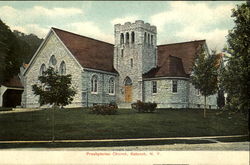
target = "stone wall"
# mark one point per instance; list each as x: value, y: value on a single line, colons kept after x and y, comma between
x: 164, y: 97
x: 196, y: 100
x: 52, y: 47
x: 186, y: 96
x: 141, y: 51
x: 102, y: 96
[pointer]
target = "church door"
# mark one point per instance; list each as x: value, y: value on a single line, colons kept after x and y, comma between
x: 128, y: 90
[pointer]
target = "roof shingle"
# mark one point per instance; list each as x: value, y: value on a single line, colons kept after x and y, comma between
x: 13, y: 82
x: 90, y: 53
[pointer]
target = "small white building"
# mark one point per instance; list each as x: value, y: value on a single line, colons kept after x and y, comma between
x: 134, y: 68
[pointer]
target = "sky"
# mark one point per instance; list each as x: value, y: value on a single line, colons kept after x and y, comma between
x: 176, y: 21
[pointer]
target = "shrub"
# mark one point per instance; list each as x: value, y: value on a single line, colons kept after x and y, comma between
x: 144, y: 107
x: 107, y: 109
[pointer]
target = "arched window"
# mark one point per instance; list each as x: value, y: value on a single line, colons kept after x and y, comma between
x: 127, y: 81
x: 94, y: 84
x: 62, y: 68
x: 152, y: 39
x: 145, y: 37
x: 132, y: 37
x: 111, y: 86
x: 127, y: 38
x: 131, y: 63
x: 42, y: 70
x: 52, y: 61
x: 122, y: 38
x: 149, y: 39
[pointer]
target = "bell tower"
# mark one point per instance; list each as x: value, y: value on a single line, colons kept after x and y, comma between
x: 134, y: 55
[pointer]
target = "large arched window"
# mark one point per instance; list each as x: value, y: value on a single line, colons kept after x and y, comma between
x: 111, y: 86
x: 148, y: 39
x: 52, y: 61
x: 62, y: 68
x: 132, y: 37
x: 145, y: 37
x: 122, y: 38
x: 94, y: 84
x: 42, y: 70
x: 127, y: 38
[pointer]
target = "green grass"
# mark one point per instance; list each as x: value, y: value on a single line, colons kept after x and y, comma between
x: 80, y: 124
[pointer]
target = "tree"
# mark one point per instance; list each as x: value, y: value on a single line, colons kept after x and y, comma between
x: 10, y: 56
x: 235, y: 78
x: 221, y: 99
x: 204, y: 75
x: 54, y: 89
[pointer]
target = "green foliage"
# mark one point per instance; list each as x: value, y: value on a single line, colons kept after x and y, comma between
x: 109, y: 109
x: 16, y: 48
x: 236, y: 73
x: 29, y: 44
x: 10, y: 58
x: 144, y: 107
x: 205, y: 74
x: 54, y: 89
x: 220, y: 99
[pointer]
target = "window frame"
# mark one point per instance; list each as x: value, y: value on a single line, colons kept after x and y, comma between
x: 42, y: 70
x: 173, y: 86
x: 62, y: 66
x: 154, y: 87
x: 52, y: 61
x: 94, y: 84
x: 111, y: 86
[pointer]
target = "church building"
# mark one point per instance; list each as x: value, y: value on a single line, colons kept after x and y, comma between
x: 134, y: 68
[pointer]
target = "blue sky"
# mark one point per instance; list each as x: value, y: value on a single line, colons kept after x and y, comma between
x: 178, y: 21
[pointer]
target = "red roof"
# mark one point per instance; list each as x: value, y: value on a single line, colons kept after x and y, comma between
x: 90, y: 53
x: 187, y: 51
x: 171, y: 67
x: 13, y: 82
x: 174, y: 60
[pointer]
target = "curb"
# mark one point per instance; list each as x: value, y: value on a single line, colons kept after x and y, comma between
x: 122, y: 140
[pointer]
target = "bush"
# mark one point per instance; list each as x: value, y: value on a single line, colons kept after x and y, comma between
x: 108, y: 109
x: 144, y: 107
x: 5, y: 109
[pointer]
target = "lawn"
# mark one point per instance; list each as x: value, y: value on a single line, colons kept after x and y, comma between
x: 80, y: 124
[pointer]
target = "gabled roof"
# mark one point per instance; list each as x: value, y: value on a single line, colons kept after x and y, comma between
x: 171, y: 67
x: 187, y: 51
x: 13, y: 82
x: 90, y: 53
x: 175, y: 60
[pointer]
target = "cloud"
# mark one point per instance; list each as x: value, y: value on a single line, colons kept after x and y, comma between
x: 195, y: 21
x: 122, y: 20
x: 37, y: 12
x: 215, y: 38
x: 195, y: 15
x: 89, y: 29
x: 30, y: 20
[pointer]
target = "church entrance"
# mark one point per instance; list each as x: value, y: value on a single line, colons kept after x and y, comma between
x: 128, y: 90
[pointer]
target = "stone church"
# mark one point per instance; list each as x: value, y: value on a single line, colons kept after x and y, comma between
x: 134, y: 68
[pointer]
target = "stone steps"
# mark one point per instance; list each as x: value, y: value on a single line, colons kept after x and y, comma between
x: 124, y: 105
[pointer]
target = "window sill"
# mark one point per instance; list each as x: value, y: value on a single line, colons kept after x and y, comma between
x: 94, y: 93
x: 111, y: 94
x: 153, y: 94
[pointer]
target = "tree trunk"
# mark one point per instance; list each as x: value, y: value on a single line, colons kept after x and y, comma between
x: 53, y: 124
x: 205, y: 105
